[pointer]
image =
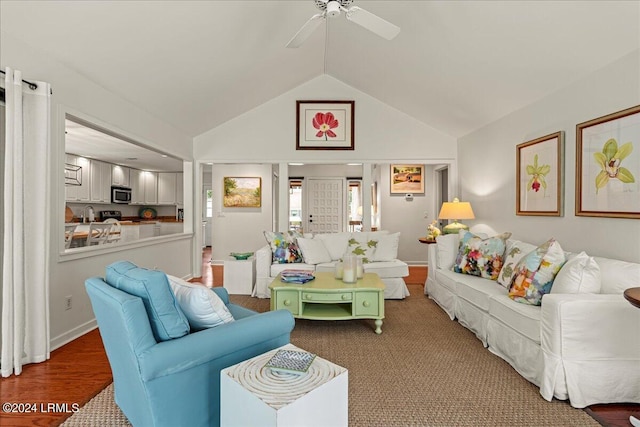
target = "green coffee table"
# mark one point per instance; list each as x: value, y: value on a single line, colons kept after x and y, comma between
x: 327, y: 298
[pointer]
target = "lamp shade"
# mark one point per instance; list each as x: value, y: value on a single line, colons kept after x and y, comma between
x: 456, y: 210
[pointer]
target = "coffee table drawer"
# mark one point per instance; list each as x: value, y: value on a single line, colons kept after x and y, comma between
x: 327, y: 297
x: 287, y: 300
x: 367, y: 304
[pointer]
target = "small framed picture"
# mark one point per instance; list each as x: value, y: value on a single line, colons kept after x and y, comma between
x: 540, y: 176
x: 407, y: 179
x: 608, y: 165
x: 325, y: 125
x: 242, y: 192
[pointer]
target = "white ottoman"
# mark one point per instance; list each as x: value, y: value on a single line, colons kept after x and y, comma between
x: 252, y: 395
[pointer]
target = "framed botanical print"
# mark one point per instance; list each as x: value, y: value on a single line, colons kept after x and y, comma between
x: 540, y: 175
x: 407, y: 179
x: 242, y: 192
x: 325, y: 125
x: 608, y: 165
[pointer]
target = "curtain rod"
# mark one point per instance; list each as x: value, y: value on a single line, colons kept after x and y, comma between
x: 32, y: 86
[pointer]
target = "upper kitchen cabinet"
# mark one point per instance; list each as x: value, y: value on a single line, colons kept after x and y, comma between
x: 144, y: 187
x: 150, y: 187
x: 100, y: 182
x: 120, y: 176
x: 180, y: 188
x: 170, y: 191
x: 78, y: 189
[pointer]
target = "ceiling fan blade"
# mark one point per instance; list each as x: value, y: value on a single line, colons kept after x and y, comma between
x: 373, y: 23
x: 306, y: 30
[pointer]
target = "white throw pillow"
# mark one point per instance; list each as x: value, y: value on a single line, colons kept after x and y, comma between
x: 313, y: 251
x: 387, y: 249
x: 335, y: 243
x: 447, y: 250
x: 579, y: 275
x: 202, y: 307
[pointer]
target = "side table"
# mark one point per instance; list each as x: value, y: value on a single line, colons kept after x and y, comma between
x: 633, y: 296
x: 252, y: 395
x: 239, y: 275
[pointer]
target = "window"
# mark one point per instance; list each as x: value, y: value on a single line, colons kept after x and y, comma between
x: 295, y: 205
x: 354, y: 205
x: 209, y: 203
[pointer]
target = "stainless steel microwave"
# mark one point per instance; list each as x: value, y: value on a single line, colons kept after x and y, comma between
x: 121, y: 195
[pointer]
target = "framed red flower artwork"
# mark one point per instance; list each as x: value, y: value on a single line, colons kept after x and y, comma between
x: 324, y: 125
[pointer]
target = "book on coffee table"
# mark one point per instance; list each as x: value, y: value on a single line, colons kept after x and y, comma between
x: 291, y: 361
x: 296, y: 276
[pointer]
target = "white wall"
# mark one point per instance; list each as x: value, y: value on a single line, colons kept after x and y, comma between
x: 267, y: 134
x: 72, y: 91
x: 487, y: 164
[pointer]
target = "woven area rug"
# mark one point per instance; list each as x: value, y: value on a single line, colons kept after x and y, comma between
x: 423, y: 370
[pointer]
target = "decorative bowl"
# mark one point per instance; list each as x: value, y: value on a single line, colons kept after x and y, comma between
x: 241, y: 255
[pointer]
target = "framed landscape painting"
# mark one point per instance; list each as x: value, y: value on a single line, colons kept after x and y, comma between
x: 608, y: 165
x: 540, y: 175
x: 407, y: 179
x: 325, y: 125
x: 242, y: 192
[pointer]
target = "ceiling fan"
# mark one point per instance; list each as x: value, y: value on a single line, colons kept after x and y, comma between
x: 332, y: 8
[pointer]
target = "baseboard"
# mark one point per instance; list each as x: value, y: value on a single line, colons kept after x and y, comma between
x: 71, y: 335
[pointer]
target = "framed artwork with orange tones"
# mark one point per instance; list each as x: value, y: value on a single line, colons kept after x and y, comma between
x: 325, y: 125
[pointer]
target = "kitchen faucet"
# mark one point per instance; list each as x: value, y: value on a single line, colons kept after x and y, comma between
x: 92, y: 215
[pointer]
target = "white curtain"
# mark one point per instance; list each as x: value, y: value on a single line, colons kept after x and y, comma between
x: 25, y: 254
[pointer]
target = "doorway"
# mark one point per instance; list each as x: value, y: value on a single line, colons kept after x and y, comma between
x: 325, y: 211
x: 442, y: 190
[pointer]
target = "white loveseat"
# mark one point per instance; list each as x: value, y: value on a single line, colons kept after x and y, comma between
x: 584, y: 347
x: 321, y: 251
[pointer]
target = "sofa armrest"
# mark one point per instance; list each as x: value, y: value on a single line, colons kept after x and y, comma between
x: 264, y: 260
x: 590, y: 344
x: 178, y: 355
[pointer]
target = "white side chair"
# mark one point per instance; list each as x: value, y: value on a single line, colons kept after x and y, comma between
x: 68, y: 235
x: 98, y: 234
x: 114, y: 234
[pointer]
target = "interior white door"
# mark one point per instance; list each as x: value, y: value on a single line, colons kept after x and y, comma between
x: 325, y: 205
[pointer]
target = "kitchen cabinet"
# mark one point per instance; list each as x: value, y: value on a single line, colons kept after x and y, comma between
x: 171, y: 228
x: 78, y: 193
x: 180, y: 188
x: 99, y: 181
x: 120, y: 176
x: 137, y: 187
x: 149, y: 229
x: 167, y: 188
x: 144, y: 187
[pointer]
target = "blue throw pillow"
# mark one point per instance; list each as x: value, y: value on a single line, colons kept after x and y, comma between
x: 152, y: 286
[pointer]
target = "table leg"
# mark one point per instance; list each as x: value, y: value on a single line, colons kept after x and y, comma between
x: 378, y: 326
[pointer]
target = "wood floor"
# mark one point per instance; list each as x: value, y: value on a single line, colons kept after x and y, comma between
x: 79, y: 370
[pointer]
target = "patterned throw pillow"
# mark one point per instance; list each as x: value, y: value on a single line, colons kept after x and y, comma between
x: 534, y: 274
x: 284, y: 248
x: 514, y: 253
x: 481, y: 257
x: 363, y: 247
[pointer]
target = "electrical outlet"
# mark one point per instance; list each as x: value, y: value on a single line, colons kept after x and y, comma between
x: 426, y: 214
x: 67, y: 302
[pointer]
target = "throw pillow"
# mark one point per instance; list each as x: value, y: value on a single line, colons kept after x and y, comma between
x: 362, y: 247
x: 446, y: 250
x: 387, y: 249
x: 514, y: 253
x: 481, y: 257
x: 313, y: 251
x: 336, y: 243
x: 579, y: 275
x: 202, y: 307
x: 152, y: 286
x: 534, y: 273
x: 284, y: 248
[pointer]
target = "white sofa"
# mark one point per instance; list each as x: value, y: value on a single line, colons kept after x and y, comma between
x: 584, y: 347
x: 390, y: 269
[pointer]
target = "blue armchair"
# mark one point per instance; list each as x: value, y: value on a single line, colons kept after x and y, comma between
x: 176, y: 382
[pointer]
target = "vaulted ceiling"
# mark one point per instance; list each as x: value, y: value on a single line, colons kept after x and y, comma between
x: 456, y: 65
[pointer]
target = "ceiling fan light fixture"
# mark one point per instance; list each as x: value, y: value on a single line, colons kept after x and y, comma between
x: 333, y: 8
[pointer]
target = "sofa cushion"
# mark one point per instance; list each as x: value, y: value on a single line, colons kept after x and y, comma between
x: 617, y: 275
x: 152, y: 286
x: 514, y: 252
x: 477, y: 290
x: 388, y: 269
x: 335, y: 243
x: 313, y: 251
x: 278, y: 268
x: 447, y: 249
x: 523, y: 318
x: 387, y: 249
x: 481, y: 257
x: 447, y: 279
x: 284, y: 248
x: 579, y: 275
x: 202, y: 307
x: 535, y: 273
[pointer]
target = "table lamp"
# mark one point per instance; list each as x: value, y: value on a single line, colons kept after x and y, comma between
x: 455, y: 210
